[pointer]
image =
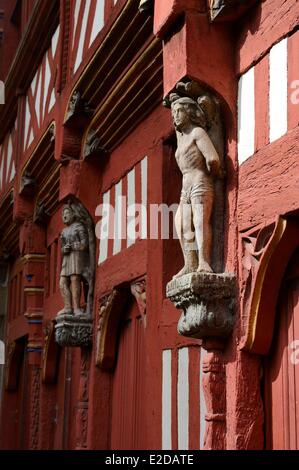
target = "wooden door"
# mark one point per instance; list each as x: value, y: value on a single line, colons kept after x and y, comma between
x: 128, y: 424
x: 282, y: 367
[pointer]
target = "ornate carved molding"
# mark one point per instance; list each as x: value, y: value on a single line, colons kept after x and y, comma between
x: 34, y: 407
x: 208, y: 303
x: 93, y: 148
x: 214, y: 387
x: 41, y: 215
x: 78, y: 110
x: 266, y: 252
x: 110, y: 308
x: 51, y: 353
x: 138, y: 290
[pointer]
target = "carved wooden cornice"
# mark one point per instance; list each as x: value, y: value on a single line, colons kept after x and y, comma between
x: 9, y: 241
x: 122, y: 85
x: 42, y: 24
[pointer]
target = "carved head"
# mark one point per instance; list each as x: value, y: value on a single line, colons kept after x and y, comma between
x: 68, y: 215
x: 185, y: 110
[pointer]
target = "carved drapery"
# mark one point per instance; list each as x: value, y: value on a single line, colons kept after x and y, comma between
x: 34, y: 407
x: 110, y: 309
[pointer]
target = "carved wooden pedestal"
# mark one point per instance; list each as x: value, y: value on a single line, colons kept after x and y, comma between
x: 207, y: 300
x: 73, y: 330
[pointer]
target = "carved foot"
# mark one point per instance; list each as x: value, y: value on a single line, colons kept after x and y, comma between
x: 65, y: 311
x: 204, y: 267
x: 186, y: 270
x: 78, y: 312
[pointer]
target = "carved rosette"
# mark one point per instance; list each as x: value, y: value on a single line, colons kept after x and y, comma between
x: 208, y: 302
x: 74, y: 331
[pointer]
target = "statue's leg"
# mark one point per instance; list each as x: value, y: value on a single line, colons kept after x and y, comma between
x: 183, y: 227
x: 202, y: 210
x: 64, y: 285
x: 76, y: 293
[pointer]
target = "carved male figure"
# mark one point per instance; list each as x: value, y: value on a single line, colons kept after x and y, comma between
x: 199, y: 163
x: 75, y: 262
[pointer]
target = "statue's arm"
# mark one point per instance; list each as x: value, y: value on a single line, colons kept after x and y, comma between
x: 83, y: 237
x: 208, y: 150
x: 65, y: 247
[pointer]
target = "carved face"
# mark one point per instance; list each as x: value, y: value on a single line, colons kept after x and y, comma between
x: 180, y: 115
x: 67, y: 216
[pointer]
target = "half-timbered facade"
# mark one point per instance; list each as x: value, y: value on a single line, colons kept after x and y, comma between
x: 83, y: 120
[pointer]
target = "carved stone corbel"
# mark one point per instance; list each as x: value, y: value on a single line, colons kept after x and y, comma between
x: 41, y: 216
x: 208, y: 303
x: 28, y: 184
x: 73, y: 331
x: 93, y: 148
x: 214, y: 388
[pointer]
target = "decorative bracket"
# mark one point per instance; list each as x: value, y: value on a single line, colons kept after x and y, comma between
x: 208, y: 302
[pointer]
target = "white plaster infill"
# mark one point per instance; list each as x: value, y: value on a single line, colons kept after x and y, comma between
x: 2, y: 353
x: 2, y: 92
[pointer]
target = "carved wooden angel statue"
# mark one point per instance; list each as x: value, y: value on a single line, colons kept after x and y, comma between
x: 77, y: 246
x: 200, y: 164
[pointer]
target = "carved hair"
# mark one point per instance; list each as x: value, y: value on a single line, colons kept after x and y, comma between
x: 194, y: 111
